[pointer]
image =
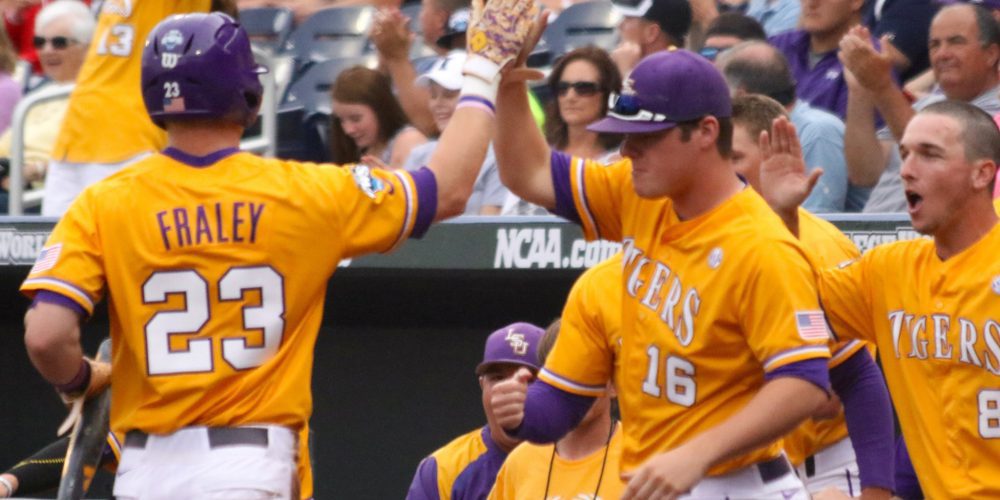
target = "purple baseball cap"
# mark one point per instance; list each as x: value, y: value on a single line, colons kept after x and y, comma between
x: 666, y: 88
x: 513, y: 344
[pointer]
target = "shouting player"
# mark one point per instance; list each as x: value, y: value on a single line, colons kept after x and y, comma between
x: 720, y: 319
x: 215, y: 262
x: 929, y: 304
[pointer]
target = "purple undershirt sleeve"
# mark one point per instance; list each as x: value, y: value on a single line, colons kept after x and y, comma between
x: 427, y: 199
x: 424, y: 485
x: 811, y: 370
x: 565, y: 208
x: 550, y: 413
x: 868, y: 412
x: 59, y: 299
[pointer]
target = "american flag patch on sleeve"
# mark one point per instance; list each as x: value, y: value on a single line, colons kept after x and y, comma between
x: 811, y: 325
x: 46, y: 259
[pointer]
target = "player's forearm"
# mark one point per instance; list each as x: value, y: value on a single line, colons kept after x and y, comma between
x: 458, y: 157
x: 760, y: 422
x: 52, y: 338
x: 550, y: 413
x: 868, y: 412
x: 862, y: 149
x: 521, y: 150
x: 895, y: 110
x: 413, y: 98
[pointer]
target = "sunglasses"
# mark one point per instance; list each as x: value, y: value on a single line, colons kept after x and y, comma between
x: 627, y: 108
x: 58, y: 42
x: 582, y: 89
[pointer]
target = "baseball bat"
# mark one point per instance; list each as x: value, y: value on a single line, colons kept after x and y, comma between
x: 87, y: 441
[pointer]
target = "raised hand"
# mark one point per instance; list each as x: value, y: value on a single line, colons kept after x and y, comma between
x: 507, y: 401
x: 784, y: 182
x: 391, y: 34
x: 869, y: 68
x: 498, y: 30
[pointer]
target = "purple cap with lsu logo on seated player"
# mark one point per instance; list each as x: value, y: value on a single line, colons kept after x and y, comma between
x: 513, y: 344
x: 666, y: 88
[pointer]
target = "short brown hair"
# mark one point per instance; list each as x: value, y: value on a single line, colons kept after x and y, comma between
x: 756, y: 112
x: 980, y: 134
x: 548, y: 340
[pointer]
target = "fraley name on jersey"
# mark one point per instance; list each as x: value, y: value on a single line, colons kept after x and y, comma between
x: 212, y: 223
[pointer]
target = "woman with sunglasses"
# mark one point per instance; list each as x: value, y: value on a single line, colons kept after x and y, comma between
x: 581, y: 82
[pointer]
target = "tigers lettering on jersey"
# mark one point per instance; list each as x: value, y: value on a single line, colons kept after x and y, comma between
x: 686, y: 289
x: 936, y: 324
x: 217, y: 276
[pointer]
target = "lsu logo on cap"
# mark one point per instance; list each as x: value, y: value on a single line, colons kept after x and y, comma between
x: 517, y: 342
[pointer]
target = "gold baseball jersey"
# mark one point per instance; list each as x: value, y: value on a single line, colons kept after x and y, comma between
x: 937, y: 326
x: 709, y: 306
x: 106, y: 121
x: 829, y: 247
x: 531, y: 470
x: 216, y: 277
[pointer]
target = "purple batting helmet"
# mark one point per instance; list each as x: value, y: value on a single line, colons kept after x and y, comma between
x: 200, y: 66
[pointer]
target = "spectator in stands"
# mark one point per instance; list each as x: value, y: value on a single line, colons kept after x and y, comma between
x: 10, y: 90
x: 392, y: 38
x: 444, y: 81
x: 467, y: 466
x: 727, y: 30
x: 581, y: 81
x: 964, y: 46
x: 758, y: 68
x: 649, y: 26
x: 63, y: 30
x: 905, y: 23
x: 812, y: 52
x: 368, y: 120
x: 777, y: 16
x: 585, y: 460
x: 19, y: 19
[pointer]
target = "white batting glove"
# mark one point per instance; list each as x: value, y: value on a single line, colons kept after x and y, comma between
x: 497, y: 32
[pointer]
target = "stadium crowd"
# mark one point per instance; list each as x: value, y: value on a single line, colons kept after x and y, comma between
x: 808, y: 57
x: 379, y: 83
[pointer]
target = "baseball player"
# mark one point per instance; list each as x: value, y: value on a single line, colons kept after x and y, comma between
x: 584, y: 464
x: 820, y: 449
x: 466, y: 467
x: 106, y: 127
x: 215, y: 262
x: 929, y: 304
x: 720, y: 317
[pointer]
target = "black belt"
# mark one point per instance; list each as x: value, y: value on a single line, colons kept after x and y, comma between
x: 810, y: 466
x: 773, y: 469
x: 217, y: 436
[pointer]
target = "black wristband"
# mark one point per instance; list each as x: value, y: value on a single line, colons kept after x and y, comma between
x: 80, y: 381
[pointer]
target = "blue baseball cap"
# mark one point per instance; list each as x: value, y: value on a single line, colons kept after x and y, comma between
x: 513, y: 344
x: 666, y: 88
